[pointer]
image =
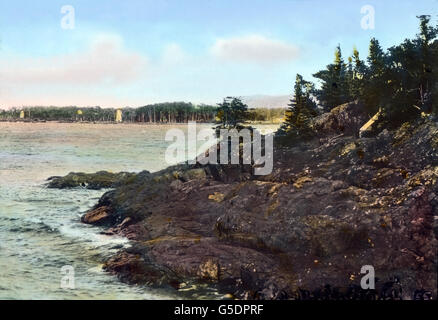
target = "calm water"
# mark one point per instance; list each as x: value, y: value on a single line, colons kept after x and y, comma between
x: 40, y: 230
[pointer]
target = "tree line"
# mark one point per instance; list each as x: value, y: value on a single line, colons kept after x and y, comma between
x: 174, y: 112
x: 401, y: 83
x: 270, y: 115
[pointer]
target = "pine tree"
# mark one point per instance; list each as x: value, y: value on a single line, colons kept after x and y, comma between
x: 350, y: 78
x: 232, y: 113
x: 300, y: 112
x: 359, y: 71
x: 375, y: 83
x: 411, y: 77
x: 334, y: 89
x: 376, y: 59
x: 427, y: 78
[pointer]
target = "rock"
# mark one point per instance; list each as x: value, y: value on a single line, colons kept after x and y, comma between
x: 346, y: 119
x: 218, y: 197
x: 134, y: 267
x: 99, y: 180
x: 176, y: 185
x: 99, y: 216
x: 126, y: 222
x: 210, y: 270
x: 304, y: 232
x: 193, y: 174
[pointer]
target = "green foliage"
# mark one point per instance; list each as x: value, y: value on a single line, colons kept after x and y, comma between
x: 273, y: 115
x: 374, y: 78
x: 301, y: 110
x: 60, y: 114
x: 334, y: 90
x: 232, y: 113
x: 174, y: 112
x: 356, y: 79
x: 402, y: 81
x: 412, y: 76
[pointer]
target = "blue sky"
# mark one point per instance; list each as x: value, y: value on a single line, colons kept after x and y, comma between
x: 131, y: 53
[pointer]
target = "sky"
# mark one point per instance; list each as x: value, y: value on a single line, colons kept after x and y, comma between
x: 113, y: 53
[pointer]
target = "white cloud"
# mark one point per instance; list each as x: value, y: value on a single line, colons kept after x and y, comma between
x: 106, y: 61
x: 255, y: 49
x: 173, y: 54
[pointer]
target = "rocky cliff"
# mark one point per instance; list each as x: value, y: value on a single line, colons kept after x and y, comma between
x: 332, y: 205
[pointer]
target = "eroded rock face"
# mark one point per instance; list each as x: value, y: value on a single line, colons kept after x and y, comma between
x: 99, y: 216
x: 303, y: 232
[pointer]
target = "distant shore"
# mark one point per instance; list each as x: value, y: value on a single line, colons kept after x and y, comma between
x: 128, y: 122
x: 97, y: 122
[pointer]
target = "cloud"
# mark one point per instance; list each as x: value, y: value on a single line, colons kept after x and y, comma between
x: 106, y: 61
x: 254, y: 49
x: 173, y: 54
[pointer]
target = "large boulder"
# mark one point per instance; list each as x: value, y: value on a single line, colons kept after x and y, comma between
x: 344, y: 119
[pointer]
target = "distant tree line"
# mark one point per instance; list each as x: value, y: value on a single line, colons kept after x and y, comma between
x: 401, y: 82
x: 59, y: 114
x: 272, y: 115
x: 172, y: 112
x: 175, y: 112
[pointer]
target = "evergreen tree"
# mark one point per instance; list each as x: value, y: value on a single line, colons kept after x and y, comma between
x: 427, y: 77
x: 412, y: 80
x: 376, y: 59
x: 334, y: 89
x: 374, y: 81
x: 359, y: 71
x: 403, y: 82
x: 232, y: 113
x: 350, y: 78
x: 300, y: 112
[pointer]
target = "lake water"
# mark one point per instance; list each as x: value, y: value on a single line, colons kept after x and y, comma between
x: 40, y: 228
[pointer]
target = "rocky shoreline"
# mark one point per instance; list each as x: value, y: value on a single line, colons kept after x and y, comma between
x: 332, y: 205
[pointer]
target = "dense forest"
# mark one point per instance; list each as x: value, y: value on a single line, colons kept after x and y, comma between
x: 173, y: 112
x: 400, y: 83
